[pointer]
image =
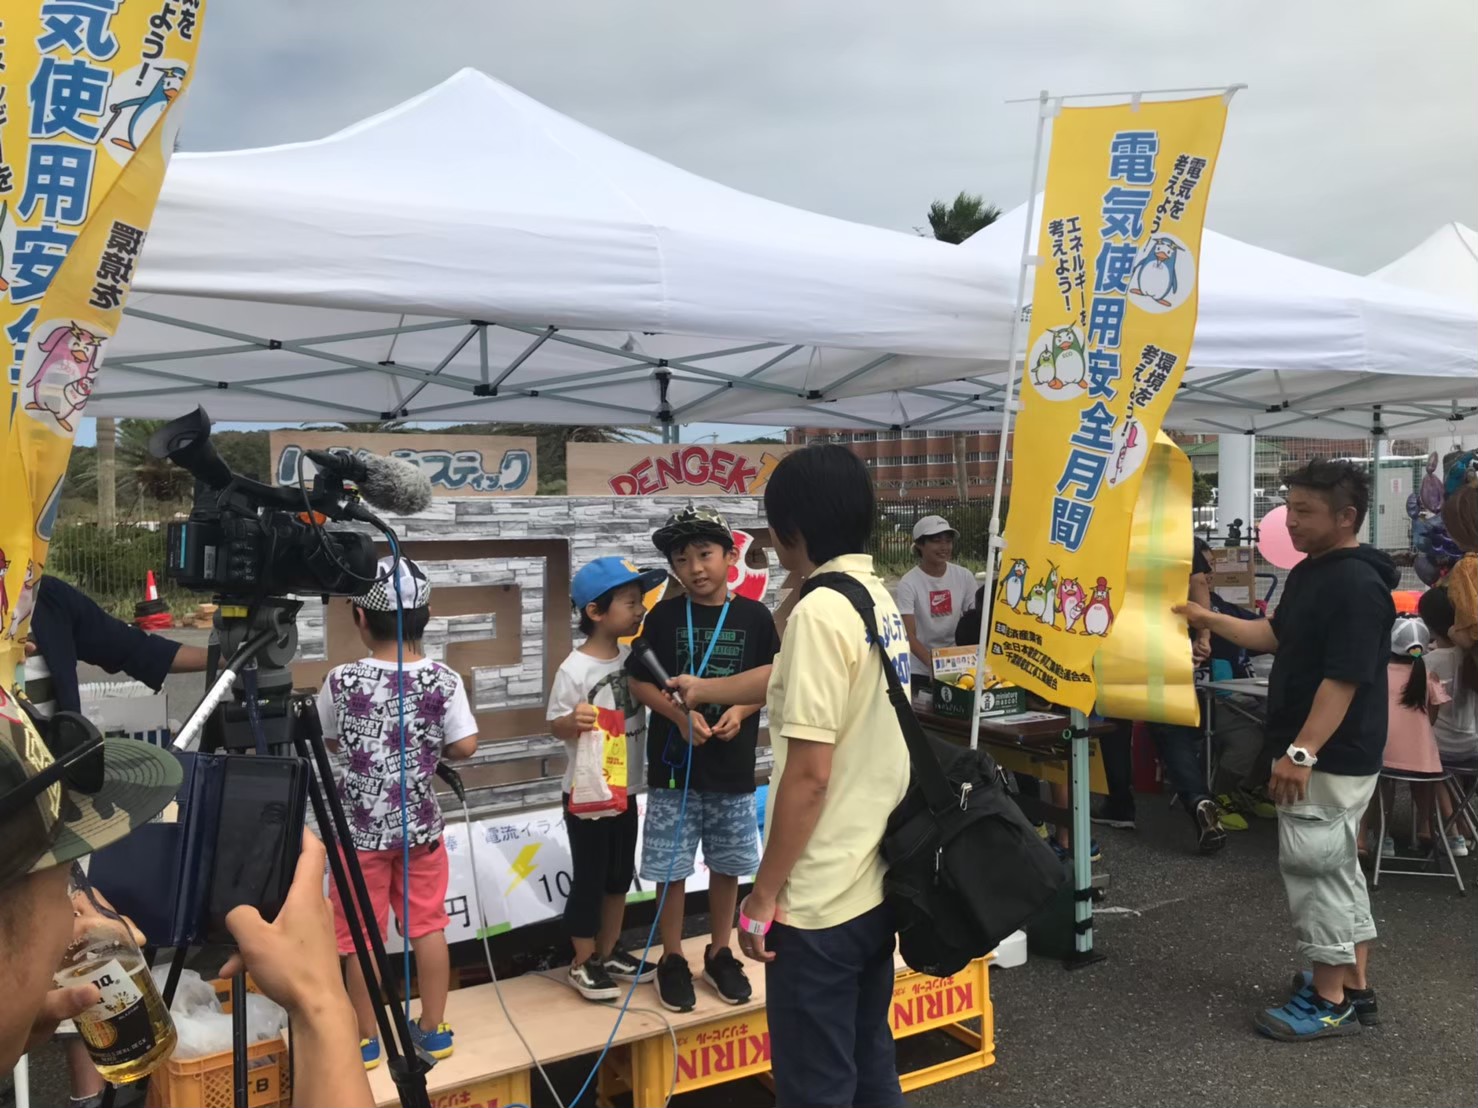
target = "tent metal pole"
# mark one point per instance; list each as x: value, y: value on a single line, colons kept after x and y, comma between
x: 527, y: 353
x: 753, y: 373
x: 441, y: 365
x: 482, y: 351
x: 868, y: 367
x: 996, y: 542
x: 1227, y: 90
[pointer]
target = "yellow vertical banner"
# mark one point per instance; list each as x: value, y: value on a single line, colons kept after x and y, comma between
x: 1145, y: 671
x: 89, y: 93
x: 1113, y: 313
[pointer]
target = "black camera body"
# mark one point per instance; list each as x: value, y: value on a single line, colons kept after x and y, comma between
x: 247, y: 539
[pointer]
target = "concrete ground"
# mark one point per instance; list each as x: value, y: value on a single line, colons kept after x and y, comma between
x: 1194, y: 947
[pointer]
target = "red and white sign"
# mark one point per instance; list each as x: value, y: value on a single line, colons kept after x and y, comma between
x: 654, y: 469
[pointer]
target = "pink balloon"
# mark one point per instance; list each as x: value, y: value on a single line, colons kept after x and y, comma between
x: 1274, y: 541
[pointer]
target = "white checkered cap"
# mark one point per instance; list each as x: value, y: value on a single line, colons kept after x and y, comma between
x: 415, y: 589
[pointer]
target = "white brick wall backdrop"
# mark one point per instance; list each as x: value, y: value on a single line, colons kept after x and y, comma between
x: 593, y: 526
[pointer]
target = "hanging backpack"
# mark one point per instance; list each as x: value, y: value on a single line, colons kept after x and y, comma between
x: 965, y: 866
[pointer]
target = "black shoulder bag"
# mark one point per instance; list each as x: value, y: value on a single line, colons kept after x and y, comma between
x: 965, y: 866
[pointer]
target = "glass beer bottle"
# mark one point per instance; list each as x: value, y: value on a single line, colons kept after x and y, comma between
x: 128, y: 1033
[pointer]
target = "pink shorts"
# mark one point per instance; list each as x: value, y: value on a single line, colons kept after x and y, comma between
x: 384, y: 876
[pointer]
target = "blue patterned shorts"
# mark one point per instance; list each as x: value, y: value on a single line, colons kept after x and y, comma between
x: 723, y: 822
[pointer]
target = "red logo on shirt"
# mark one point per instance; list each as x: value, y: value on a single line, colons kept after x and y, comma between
x: 941, y: 603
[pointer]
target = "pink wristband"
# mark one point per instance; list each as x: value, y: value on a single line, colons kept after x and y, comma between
x: 753, y: 926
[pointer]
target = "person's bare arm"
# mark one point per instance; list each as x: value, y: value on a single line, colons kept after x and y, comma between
x: 798, y: 800
x: 294, y: 961
x: 1289, y: 783
x: 749, y: 687
x: 461, y: 749
x: 1200, y: 593
x: 916, y: 645
x: 190, y: 659
x: 1250, y: 634
x: 569, y: 727
x: 652, y: 697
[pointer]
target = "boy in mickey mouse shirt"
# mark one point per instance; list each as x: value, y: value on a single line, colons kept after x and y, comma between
x: 361, y: 706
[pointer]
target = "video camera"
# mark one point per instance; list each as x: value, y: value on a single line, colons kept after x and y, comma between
x: 244, y: 538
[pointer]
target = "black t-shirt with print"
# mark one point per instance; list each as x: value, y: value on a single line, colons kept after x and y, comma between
x: 748, y: 640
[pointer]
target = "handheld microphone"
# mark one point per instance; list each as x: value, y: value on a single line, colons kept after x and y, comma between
x: 386, y: 483
x: 642, y: 651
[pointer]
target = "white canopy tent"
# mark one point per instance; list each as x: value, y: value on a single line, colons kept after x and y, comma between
x: 1445, y: 263
x: 1282, y: 346
x: 474, y: 255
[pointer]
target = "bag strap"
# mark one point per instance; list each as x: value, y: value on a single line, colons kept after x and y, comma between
x: 927, y: 771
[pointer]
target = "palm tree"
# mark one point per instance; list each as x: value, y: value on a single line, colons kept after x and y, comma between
x: 959, y: 220
x: 955, y: 223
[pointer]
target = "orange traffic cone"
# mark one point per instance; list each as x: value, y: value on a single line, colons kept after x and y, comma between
x: 152, y: 613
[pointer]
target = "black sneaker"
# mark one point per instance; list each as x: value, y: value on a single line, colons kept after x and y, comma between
x: 675, y: 984
x: 591, y: 980
x: 625, y: 966
x: 723, y: 972
x: 1210, y: 836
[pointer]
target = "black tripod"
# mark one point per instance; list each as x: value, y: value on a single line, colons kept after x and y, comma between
x: 265, y: 715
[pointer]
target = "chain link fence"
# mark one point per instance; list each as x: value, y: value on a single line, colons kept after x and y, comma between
x: 111, y: 564
x: 892, y: 537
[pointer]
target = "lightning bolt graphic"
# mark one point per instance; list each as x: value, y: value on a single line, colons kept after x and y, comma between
x: 768, y: 462
x: 523, y: 865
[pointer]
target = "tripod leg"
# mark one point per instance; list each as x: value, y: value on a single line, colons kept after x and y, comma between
x: 238, y: 1038
x: 407, y: 1066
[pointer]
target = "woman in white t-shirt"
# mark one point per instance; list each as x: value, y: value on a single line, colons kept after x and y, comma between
x: 933, y: 595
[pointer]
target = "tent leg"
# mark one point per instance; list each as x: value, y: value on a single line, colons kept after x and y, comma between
x: 1083, y: 952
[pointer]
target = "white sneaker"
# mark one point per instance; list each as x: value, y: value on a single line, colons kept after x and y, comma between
x: 1459, y: 846
x: 1388, y: 847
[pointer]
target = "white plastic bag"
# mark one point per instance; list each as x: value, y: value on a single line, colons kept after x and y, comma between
x: 590, y: 795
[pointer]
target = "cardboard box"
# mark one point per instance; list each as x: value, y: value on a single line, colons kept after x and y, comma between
x: 954, y: 687
x: 1233, y: 574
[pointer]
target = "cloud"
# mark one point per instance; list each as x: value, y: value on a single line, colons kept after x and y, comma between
x: 1355, y: 139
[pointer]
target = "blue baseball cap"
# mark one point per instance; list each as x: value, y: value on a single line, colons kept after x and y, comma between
x: 604, y: 574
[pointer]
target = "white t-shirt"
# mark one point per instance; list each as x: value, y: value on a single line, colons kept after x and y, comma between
x: 1456, y: 729
x: 936, y: 604
x: 582, y: 679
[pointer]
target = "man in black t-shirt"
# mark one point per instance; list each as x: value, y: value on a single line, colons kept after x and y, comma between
x: 1327, y: 700
x: 700, y: 765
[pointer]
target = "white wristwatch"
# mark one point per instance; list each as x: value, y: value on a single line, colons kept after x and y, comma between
x: 1301, y: 756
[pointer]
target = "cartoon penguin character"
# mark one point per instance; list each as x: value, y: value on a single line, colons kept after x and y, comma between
x: 1071, y: 601
x: 63, y: 381
x: 1154, y: 274
x: 1065, y: 351
x: 25, y: 602
x: 1048, y: 614
x: 1068, y: 363
x: 1131, y: 440
x: 1098, y: 617
x: 166, y: 89
x: 1036, y: 600
x: 1015, y: 585
x: 1042, y: 375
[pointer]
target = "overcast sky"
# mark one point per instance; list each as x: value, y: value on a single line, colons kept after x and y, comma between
x: 1356, y: 138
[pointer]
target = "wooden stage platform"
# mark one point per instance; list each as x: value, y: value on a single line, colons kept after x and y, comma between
x: 716, y: 1042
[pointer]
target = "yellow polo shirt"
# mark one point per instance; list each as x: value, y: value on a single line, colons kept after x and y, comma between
x: 827, y: 686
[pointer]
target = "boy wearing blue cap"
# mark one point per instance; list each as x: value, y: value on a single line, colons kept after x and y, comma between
x: 608, y: 595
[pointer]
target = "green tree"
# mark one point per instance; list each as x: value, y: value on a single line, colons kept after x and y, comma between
x: 957, y: 221
x: 1203, y: 488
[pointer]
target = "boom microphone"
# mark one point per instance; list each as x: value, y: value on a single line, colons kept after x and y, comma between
x: 386, y: 483
x: 642, y: 651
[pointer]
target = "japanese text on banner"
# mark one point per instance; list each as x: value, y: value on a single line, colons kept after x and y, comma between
x: 88, y: 93
x: 1113, y: 314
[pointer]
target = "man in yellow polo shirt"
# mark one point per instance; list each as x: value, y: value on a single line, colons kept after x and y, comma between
x: 816, y: 916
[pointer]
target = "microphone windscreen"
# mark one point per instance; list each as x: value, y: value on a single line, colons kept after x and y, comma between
x: 395, y: 486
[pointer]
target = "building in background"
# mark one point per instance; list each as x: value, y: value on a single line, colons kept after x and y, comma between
x: 920, y: 465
